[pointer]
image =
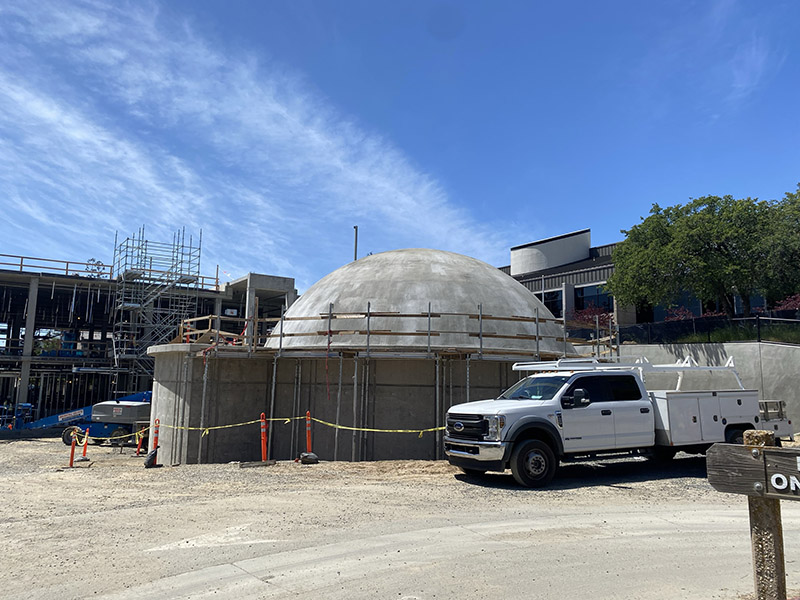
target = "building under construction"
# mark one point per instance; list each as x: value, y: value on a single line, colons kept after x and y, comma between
x: 76, y: 333
x: 382, y: 346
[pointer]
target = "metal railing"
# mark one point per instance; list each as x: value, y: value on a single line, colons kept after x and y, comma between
x: 59, y: 267
x: 95, y: 270
x: 715, y: 329
x: 83, y: 348
x: 222, y: 330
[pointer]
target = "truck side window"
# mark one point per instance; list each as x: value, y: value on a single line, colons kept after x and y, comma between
x: 596, y: 388
x: 624, y: 387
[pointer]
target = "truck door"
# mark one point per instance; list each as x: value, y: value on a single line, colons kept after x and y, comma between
x: 589, y: 427
x: 634, y: 420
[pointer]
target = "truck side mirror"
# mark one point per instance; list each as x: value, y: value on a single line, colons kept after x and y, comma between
x: 579, y: 397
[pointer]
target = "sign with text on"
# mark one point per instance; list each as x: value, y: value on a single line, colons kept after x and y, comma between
x: 762, y: 471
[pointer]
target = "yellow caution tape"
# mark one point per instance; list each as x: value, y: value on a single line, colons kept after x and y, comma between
x: 206, y: 430
x: 95, y: 438
x: 286, y: 420
x: 419, y: 431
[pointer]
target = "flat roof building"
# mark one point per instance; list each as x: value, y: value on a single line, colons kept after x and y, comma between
x: 567, y: 274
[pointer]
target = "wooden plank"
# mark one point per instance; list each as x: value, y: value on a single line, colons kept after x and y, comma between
x: 516, y: 336
x: 541, y: 319
x: 192, y: 320
x: 737, y: 469
x: 313, y: 333
x: 305, y: 318
x: 766, y: 529
x: 229, y: 334
x: 515, y: 318
x: 436, y: 315
x: 402, y: 315
x: 402, y: 333
x: 782, y: 474
x: 734, y: 469
x: 196, y: 331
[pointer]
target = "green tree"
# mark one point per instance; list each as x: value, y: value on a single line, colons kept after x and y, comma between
x: 784, y: 249
x: 714, y: 247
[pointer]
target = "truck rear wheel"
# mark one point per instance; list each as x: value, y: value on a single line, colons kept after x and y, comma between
x: 533, y: 463
x: 663, y: 454
x: 735, y: 436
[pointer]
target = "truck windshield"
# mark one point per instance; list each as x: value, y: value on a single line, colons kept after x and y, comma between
x: 535, y: 388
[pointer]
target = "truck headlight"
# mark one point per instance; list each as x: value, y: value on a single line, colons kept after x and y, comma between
x: 496, y: 425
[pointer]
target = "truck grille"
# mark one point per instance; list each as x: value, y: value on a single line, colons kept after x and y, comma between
x: 474, y: 427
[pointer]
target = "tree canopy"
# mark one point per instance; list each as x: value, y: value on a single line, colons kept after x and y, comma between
x: 712, y: 247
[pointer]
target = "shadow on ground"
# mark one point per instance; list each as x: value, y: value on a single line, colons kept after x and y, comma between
x: 615, y: 473
x: 28, y: 434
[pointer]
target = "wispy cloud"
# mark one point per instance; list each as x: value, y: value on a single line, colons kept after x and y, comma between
x: 113, y: 115
x: 748, y: 66
x: 709, y: 61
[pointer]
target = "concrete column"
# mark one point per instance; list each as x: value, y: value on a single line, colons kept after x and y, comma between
x: 218, y: 312
x: 567, y: 299
x: 291, y: 296
x: 27, y: 348
x: 624, y: 315
x: 249, y: 310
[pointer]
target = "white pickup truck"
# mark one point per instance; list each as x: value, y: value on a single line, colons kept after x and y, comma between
x: 583, y: 409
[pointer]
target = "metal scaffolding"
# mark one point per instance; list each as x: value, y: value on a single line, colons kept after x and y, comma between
x: 157, y: 288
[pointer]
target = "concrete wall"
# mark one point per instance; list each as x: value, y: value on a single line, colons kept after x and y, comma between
x: 771, y: 368
x: 390, y: 394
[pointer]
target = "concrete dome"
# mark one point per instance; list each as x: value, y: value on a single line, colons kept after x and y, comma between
x: 405, y: 282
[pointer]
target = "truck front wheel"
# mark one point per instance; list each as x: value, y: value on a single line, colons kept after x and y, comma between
x: 533, y: 463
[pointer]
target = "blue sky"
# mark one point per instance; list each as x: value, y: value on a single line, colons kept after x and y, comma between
x: 466, y: 126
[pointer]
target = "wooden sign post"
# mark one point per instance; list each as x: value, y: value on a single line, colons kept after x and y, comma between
x: 767, y: 475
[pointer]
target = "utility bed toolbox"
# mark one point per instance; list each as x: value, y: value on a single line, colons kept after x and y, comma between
x: 695, y: 417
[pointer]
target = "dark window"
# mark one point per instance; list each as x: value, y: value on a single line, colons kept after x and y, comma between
x: 593, y: 296
x: 624, y: 387
x: 596, y: 387
x: 552, y: 301
x: 604, y: 388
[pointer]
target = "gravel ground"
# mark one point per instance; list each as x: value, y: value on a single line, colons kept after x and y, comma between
x: 112, y: 528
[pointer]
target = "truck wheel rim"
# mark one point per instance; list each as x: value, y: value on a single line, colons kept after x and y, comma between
x: 535, y: 463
